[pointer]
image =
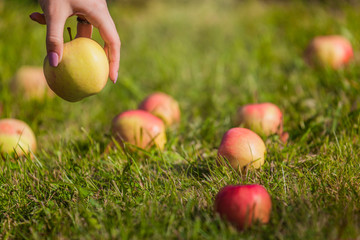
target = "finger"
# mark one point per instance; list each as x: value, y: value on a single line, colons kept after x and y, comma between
x: 38, y: 17
x: 54, y: 37
x: 84, y: 30
x: 109, y: 34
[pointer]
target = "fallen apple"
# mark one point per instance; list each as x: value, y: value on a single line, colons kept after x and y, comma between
x: 162, y: 106
x: 30, y: 82
x: 139, y: 128
x: 82, y: 71
x: 264, y: 119
x: 242, y: 148
x: 16, y: 137
x: 243, y: 205
x: 329, y: 51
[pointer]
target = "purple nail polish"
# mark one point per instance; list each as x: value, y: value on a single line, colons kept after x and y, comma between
x: 53, y: 59
x: 116, y: 78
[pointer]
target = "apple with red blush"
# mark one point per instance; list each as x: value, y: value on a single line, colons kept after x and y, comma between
x: 242, y: 148
x: 243, y: 205
x: 263, y: 118
x: 332, y: 51
x: 139, y: 128
x: 16, y: 137
x: 163, y: 106
x: 30, y: 82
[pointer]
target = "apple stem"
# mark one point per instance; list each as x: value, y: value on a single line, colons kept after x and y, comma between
x: 69, y: 31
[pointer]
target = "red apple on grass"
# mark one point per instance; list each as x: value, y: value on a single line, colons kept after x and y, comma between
x: 242, y: 148
x: 162, y: 106
x: 83, y: 70
x: 263, y: 118
x: 30, y: 82
x: 329, y: 51
x: 139, y: 128
x: 16, y: 137
x: 243, y: 205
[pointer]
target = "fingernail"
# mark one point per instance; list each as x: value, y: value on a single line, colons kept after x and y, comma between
x: 53, y: 59
x: 116, y: 78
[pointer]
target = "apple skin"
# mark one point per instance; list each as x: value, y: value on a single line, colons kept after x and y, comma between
x: 242, y: 148
x: 139, y: 128
x: 243, y: 205
x: 332, y: 51
x: 31, y: 83
x: 162, y: 106
x: 83, y: 70
x: 264, y: 119
x: 16, y: 134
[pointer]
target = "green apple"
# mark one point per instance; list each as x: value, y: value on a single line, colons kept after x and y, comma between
x: 16, y: 136
x: 82, y: 71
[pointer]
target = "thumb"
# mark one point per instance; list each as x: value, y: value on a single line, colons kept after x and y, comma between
x: 54, y: 38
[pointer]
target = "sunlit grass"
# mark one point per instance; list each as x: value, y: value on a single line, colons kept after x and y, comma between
x: 212, y: 57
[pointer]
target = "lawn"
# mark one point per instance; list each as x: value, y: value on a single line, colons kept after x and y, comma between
x: 213, y: 57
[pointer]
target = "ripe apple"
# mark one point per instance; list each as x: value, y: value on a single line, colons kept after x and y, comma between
x: 329, y: 51
x: 162, y: 106
x: 242, y: 148
x: 83, y: 70
x: 264, y: 118
x: 31, y: 83
x: 16, y: 137
x: 243, y: 205
x: 139, y: 128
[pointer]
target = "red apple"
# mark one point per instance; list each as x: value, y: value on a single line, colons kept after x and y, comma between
x: 16, y: 136
x: 242, y: 205
x: 162, y: 106
x: 139, y: 128
x: 31, y: 83
x: 329, y: 51
x: 264, y: 118
x: 242, y: 148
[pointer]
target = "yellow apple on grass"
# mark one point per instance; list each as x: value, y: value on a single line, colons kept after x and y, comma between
x: 242, y: 148
x: 30, y: 82
x: 82, y: 71
x: 16, y: 137
x: 139, y: 128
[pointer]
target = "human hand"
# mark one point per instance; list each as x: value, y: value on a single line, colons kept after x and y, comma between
x: 95, y: 12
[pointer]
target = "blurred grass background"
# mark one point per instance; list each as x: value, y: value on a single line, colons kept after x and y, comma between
x: 212, y: 56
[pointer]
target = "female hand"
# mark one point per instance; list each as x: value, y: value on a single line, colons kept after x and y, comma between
x: 95, y: 12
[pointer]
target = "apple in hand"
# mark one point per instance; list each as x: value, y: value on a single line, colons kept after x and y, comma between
x: 329, y: 51
x: 139, y: 128
x: 243, y: 205
x: 16, y: 137
x: 264, y: 119
x: 82, y: 71
x: 162, y: 106
x: 242, y: 148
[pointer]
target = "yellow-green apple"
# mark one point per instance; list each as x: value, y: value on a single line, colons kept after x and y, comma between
x: 162, y: 106
x: 243, y: 205
x: 139, y: 128
x: 242, y: 148
x: 31, y: 83
x: 82, y: 71
x: 329, y: 51
x: 16, y: 137
x: 263, y: 118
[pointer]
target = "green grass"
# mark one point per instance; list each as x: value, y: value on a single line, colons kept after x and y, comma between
x: 212, y: 57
